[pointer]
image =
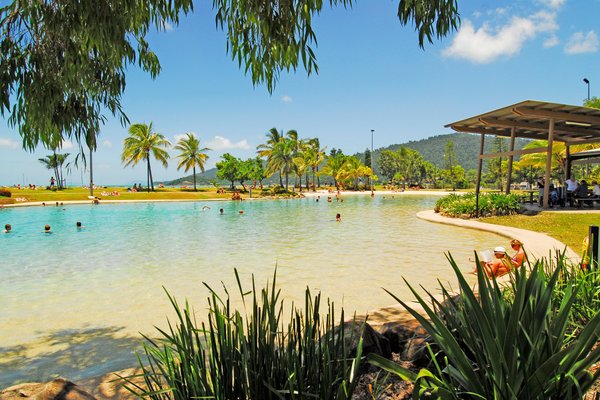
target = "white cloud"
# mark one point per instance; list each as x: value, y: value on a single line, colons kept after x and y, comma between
x: 181, y: 136
x: 222, y: 143
x: 579, y: 43
x: 287, y: 99
x: 554, y: 4
x: 107, y: 143
x: 551, y: 41
x: 8, y: 144
x: 488, y: 43
x: 67, y: 144
x: 168, y: 26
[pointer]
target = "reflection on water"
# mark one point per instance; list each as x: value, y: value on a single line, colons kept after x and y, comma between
x: 111, y: 273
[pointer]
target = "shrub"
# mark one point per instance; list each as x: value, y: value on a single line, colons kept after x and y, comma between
x: 490, y: 204
x: 505, y: 347
x: 251, y: 357
x: 5, y: 193
x: 587, y: 297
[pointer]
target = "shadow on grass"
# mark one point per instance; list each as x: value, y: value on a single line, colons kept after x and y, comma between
x: 72, y: 354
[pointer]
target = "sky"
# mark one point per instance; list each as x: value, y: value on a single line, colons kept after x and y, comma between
x: 372, y: 76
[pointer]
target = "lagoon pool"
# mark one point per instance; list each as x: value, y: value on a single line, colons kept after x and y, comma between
x: 73, y: 302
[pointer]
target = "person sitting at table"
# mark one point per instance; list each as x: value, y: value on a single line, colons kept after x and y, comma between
x: 595, y: 190
x: 581, y: 192
x: 571, y: 185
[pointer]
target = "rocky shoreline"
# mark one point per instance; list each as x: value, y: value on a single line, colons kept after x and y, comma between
x: 391, y: 332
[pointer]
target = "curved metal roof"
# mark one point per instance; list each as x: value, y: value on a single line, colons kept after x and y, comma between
x: 530, y: 118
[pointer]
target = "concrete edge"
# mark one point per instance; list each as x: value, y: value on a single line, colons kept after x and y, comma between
x: 537, y: 245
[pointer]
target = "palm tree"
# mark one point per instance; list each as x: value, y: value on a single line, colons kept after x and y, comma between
x: 191, y: 154
x: 301, y: 165
x: 316, y: 158
x: 297, y: 145
x: 334, y: 165
x: 282, y: 159
x: 559, y: 155
x: 142, y: 142
x: 266, y: 150
x: 353, y: 169
x: 55, y: 162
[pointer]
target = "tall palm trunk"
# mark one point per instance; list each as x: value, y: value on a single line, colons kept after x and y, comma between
x: 194, y: 170
x: 318, y: 180
x: 313, y: 171
x: 306, y: 180
x: 286, y: 180
x: 91, y: 174
x: 280, y: 180
x: 148, y: 174
x: 55, y: 167
x: 300, y: 177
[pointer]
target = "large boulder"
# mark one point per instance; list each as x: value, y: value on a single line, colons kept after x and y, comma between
x: 373, y: 341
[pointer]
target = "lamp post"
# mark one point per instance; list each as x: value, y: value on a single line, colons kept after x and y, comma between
x: 587, y: 82
x: 372, y: 170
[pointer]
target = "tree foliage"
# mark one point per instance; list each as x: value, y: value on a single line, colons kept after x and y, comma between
x: 142, y: 143
x: 268, y: 37
x: 63, y: 62
x: 593, y: 102
x: 191, y: 155
x: 227, y: 168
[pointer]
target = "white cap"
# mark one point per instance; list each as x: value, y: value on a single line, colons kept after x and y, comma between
x: 500, y: 249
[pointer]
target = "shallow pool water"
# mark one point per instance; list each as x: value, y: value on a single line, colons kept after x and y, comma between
x: 73, y: 302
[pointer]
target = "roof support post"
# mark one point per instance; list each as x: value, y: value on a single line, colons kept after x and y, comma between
x: 548, y: 162
x: 510, y: 160
x: 568, y: 166
x: 479, y: 165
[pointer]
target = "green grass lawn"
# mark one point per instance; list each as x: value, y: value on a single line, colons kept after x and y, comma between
x: 569, y: 228
x: 82, y: 194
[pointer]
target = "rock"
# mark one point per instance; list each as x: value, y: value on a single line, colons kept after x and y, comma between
x: 373, y: 341
x: 397, y: 325
x: 58, y: 389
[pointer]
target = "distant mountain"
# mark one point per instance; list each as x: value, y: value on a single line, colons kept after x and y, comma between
x: 202, y: 179
x: 466, y: 147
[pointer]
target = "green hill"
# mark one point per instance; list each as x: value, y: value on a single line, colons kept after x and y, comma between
x: 202, y: 179
x: 466, y: 147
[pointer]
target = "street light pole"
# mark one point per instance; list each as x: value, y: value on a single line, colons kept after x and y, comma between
x: 372, y: 170
x: 587, y: 82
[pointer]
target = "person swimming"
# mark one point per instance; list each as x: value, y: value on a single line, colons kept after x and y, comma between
x: 204, y: 208
x: 338, y: 217
x: 47, y: 229
x: 78, y: 225
x: 7, y: 228
x: 221, y: 211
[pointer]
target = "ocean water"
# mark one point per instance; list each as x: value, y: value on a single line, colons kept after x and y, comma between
x: 73, y: 303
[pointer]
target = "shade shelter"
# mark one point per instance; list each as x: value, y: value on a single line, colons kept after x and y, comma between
x: 538, y: 120
x: 586, y: 157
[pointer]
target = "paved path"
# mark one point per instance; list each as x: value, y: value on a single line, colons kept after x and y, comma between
x: 537, y: 245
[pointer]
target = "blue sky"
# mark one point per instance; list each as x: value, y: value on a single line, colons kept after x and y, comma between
x: 372, y: 75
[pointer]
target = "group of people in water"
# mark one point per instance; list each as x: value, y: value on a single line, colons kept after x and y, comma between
x: 47, y: 228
